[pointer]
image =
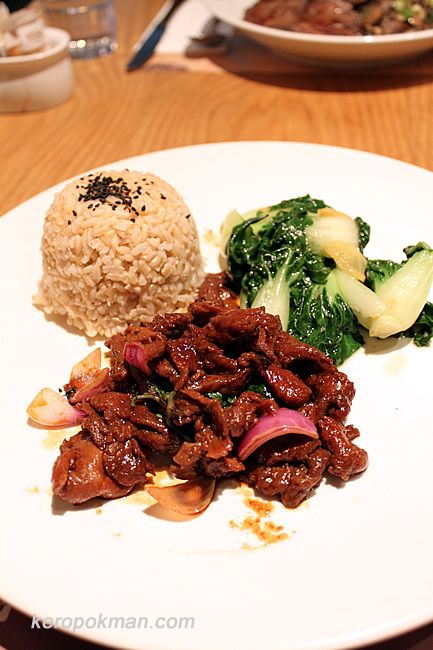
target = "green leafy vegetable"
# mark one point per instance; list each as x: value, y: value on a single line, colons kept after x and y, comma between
x: 363, y: 233
x: 321, y: 317
x: 256, y: 386
x: 422, y: 330
x: 276, y: 258
x: 162, y: 397
x: 271, y: 262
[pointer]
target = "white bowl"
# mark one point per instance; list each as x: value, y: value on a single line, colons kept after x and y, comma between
x: 324, y: 50
x: 31, y: 82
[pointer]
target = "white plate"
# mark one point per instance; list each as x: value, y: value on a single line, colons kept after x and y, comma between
x: 357, y: 565
x: 321, y: 49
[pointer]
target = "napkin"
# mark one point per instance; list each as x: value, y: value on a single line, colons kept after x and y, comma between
x: 243, y: 54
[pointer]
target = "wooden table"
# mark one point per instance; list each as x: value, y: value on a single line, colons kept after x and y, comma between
x: 114, y: 115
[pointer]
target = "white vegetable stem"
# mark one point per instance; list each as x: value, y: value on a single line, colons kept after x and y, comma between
x: 274, y: 295
x: 232, y: 220
x: 364, y: 302
x: 404, y: 294
x: 327, y: 229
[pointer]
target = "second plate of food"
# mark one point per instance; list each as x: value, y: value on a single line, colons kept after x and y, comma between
x: 324, y: 49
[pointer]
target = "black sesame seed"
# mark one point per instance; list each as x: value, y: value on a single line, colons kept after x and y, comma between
x: 69, y: 222
x: 104, y: 189
x: 143, y: 207
x: 132, y: 219
x: 163, y: 197
x: 187, y: 216
x: 74, y: 213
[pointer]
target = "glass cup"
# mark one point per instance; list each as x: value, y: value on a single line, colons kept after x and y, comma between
x: 90, y: 23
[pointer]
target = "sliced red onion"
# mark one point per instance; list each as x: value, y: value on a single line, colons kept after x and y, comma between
x: 280, y: 423
x: 187, y: 498
x: 84, y: 371
x: 53, y: 410
x: 135, y: 354
x: 94, y: 387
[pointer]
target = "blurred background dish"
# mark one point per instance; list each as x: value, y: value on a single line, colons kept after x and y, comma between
x: 40, y: 80
x: 323, y: 49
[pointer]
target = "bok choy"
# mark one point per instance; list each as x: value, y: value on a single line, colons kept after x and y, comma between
x: 305, y: 262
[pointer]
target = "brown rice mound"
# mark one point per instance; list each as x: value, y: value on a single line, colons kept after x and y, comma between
x: 118, y: 248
